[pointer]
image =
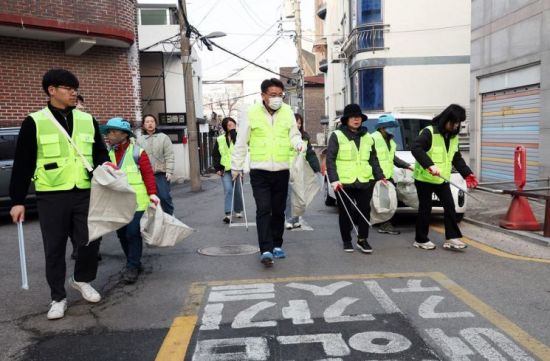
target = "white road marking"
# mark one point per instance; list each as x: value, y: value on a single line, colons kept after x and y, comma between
x: 382, y: 297
x: 335, y: 312
x: 333, y: 343
x: 427, y: 309
x: 258, y: 291
x: 298, y: 311
x: 212, y: 316
x: 244, y: 318
x: 364, y: 342
x: 415, y: 286
x: 327, y: 290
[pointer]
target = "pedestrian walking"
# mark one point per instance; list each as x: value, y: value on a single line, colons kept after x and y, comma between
x: 161, y: 155
x: 62, y: 182
x: 313, y: 161
x: 385, y: 151
x: 352, y: 166
x: 221, y: 157
x: 436, y: 152
x: 134, y: 162
x: 268, y: 133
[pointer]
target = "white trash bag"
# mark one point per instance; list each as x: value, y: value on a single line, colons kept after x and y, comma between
x: 159, y: 229
x: 304, y: 185
x: 406, y: 190
x: 383, y: 203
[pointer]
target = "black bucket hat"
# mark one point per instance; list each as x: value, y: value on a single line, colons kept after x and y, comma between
x: 352, y: 110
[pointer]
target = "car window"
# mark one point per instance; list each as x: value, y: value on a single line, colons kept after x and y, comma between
x: 7, y: 146
x: 406, y: 133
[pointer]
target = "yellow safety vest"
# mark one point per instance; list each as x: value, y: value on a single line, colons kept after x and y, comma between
x: 441, y: 157
x: 131, y: 169
x: 58, y: 165
x: 225, y: 151
x: 351, y: 163
x: 385, y: 155
x: 269, y: 142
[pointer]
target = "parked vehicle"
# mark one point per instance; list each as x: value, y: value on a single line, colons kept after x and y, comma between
x: 410, y: 126
x: 8, y: 141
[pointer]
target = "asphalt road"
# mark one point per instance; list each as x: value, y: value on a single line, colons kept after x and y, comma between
x: 399, y: 303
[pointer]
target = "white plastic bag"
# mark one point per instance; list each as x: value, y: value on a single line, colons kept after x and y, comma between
x: 384, y: 202
x: 304, y: 185
x: 159, y: 229
x: 406, y: 190
x: 112, y: 202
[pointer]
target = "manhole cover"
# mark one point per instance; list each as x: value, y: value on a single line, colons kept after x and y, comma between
x: 230, y: 250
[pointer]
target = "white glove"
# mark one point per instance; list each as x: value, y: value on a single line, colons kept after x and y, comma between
x: 236, y: 173
x: 168, y: 177
x: 155, y: 200
x: 434, y: 171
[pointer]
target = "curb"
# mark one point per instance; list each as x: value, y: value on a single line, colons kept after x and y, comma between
x: 528, y: 236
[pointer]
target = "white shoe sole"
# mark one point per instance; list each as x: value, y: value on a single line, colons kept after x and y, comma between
x: 453, y: 247
x: 349, y: 250
x: 91, y: 300
x: 420, y: 246
x: 367, y: 251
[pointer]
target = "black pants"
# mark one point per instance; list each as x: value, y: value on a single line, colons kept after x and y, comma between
x: 443, y: 192
x: 362, y: 198
x: 270, y: 190
x: 62, y: 214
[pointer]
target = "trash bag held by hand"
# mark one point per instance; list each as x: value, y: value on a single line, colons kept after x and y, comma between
x: 160, y: 229
x: 406, y: 190
x: 383, y: 203
x: 304, y: 185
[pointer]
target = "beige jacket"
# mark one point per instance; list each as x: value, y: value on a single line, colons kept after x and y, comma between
x: 159, y: 149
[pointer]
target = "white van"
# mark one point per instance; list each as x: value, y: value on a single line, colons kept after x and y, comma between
x: 410, y: 126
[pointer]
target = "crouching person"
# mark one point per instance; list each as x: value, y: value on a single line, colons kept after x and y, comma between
x: 133, y: 161
x: 352, y: 165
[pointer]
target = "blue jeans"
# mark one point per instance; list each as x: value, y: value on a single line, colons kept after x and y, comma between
x: 288, y: 209
x: 228, y: 193
x: 131, y: 242
x: 163, y: 192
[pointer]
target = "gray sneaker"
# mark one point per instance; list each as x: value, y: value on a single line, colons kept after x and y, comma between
x: 387, y: 227
x: 425, y: 245
x: 454, y: 243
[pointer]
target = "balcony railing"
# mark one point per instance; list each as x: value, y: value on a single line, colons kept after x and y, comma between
x: 365, y: 38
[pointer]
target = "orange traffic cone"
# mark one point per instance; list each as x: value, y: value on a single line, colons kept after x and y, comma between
x: 520, y: 216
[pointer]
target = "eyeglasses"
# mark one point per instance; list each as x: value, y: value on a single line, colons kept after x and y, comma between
x: 67, y: 88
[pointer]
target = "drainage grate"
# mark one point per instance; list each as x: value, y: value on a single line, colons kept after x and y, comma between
x: 230, y: 250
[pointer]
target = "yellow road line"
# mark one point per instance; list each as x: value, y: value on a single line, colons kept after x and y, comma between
x: 500, y: 321
x: 493, y: 251
x: 175, y: 344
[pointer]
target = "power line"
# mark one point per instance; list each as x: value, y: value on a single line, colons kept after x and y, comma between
x: 239, y: 97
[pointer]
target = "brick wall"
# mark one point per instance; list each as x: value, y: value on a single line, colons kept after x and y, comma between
x: 105, y: 75
x: 112, y: 13
x: 314, y: 110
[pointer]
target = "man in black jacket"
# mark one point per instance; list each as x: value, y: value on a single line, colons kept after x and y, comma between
x: 352, y: 165
x: 44, y: 155
x: 436, y: 152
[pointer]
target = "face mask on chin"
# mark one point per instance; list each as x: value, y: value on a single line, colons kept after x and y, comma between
x: 275, y: 103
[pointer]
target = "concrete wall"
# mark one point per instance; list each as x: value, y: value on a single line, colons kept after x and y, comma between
x: 509, y: 38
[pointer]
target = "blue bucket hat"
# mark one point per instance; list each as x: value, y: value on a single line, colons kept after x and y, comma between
x: 386, y: 121
x: 117, y: 124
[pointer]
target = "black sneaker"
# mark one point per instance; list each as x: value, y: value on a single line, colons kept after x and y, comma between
x: 226, y: 219
x: 348, y: 247
x: 387, y: 227
x: 130, y: 275
x: 364, y: 246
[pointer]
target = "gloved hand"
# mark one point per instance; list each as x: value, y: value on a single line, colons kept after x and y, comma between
x: 471, y: 181
x: 236, y: 173
x: 384, y: 181
x: 109, y: 164
x: 168, y: 177
x: 434, y: 171
x: 337, y: 186
x: 155, y: 200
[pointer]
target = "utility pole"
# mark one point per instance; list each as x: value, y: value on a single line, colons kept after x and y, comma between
x: 186, y: 50
x: 300, y: 85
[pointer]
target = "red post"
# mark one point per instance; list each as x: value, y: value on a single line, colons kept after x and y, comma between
x: 520, y: 166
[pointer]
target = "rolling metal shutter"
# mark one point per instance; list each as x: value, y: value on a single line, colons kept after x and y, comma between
x: 509, y: 118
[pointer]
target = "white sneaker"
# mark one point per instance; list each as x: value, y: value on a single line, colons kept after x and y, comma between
x: 86, y: 290
x: 288, y: 225
x: 57, y: 309
x: 239, y: 214
x: 426, y: 245
x: 454, y: 243
x: 296, y: 225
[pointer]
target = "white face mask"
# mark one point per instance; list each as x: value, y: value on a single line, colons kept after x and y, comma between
x: 275, y: 103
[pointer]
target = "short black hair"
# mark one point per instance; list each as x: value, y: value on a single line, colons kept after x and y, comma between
x: 272, y: 82
x: 80, y: 98
x: 57, y: 77
x: 227, y: 120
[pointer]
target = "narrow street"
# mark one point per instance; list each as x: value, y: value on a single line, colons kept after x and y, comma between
x: 320, y: 303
